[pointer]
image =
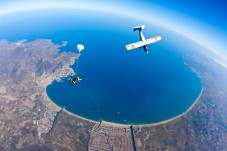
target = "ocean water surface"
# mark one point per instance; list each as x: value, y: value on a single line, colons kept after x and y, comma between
x: 120, y: 86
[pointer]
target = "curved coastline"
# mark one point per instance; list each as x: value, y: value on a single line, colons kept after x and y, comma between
x: 142, y: 125
x: 109, y: 123
x: 176, y: 117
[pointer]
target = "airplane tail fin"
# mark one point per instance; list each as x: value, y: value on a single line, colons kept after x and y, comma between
x: 139, y: 27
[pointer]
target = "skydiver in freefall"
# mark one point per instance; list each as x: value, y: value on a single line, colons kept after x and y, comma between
x: 75, y: 80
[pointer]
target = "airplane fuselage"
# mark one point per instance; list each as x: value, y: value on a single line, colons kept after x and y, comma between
x: 142, y: 38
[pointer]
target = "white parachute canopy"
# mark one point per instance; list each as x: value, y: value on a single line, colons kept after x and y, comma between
x: 80, y: 47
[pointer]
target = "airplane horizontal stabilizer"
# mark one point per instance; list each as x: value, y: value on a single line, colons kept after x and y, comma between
x: 139, y: 27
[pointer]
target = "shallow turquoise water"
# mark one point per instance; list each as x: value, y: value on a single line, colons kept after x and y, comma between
x: 118, y: 85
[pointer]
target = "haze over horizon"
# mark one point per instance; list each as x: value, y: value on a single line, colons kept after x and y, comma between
x: 202, y: 22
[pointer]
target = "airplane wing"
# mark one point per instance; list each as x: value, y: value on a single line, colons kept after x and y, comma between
x: 152, y: 40
x: 135, y: 45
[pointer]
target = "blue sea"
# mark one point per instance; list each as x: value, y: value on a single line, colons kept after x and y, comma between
x: 119, y: 86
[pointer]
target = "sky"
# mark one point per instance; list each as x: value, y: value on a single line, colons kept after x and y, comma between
x: 208, y: 11
x: 204, y: 21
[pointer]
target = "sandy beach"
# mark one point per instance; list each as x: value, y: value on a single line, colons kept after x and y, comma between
x: 80, y: 117
x: 142, y: 125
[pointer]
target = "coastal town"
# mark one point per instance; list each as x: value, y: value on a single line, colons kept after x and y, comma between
x: 107, y: 136
x: 29, y: 120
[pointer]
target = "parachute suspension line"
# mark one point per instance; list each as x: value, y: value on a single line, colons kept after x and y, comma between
x: 77, y: 64
x: 79, y: 47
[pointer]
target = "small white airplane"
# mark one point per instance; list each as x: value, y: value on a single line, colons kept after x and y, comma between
x: 144, y: 42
